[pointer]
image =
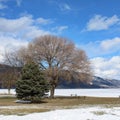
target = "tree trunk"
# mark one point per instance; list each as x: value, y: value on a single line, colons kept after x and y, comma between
x: 52, y: 91
x: 8, y: 91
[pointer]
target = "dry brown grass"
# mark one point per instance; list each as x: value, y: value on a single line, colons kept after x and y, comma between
x: 7, y: 101
x: 8, y: 105
x: 71, y: 101
x: 21, y: 111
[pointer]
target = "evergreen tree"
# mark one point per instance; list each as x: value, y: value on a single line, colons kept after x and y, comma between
x: 32, y: 85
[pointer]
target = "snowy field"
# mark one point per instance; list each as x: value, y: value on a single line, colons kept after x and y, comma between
x: 80, y: 92
x: 86, y: 113
x: 80, y: 113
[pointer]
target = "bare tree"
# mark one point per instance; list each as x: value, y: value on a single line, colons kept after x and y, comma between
x: 8, y: 79
x: 14, y: 60
x: 60, y: 58
x: 8, y: 76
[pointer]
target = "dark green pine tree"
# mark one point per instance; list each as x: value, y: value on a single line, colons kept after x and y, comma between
x: 32, y: 85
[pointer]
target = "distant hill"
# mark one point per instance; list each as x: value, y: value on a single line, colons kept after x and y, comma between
x: 106, y: 83
x: 97, y: 82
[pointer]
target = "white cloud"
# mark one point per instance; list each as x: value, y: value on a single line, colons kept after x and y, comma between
x: 2, y: 4
x: 65, y: 7
x: 9, y: 43
x: 44, y: 21
x: 99, y: 22
x: 15, y: 25
x: 111, y: 43
x: 102, y: 47
x: 60, y: 29
x: 35, y: 32
x: 106, y: 68
x: 17, y: 32
x: 18, y: 2
x: 62, y: 6
x: 21, y: 27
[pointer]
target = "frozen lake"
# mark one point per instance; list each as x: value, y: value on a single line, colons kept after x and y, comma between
x: 89, y: 92
x: 80, y: 92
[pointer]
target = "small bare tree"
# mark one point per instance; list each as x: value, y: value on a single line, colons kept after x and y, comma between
x: 8, y: 79
x: 60, y: 58
x: 14, y: 60
x: 8, y: 76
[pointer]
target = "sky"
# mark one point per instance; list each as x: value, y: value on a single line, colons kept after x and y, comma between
x: 93, y: 25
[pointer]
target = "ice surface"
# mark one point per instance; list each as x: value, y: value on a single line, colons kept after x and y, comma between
x: 80, y: 92
x: 89, y: 92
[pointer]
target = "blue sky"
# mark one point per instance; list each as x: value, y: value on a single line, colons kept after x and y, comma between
x: 93, y: 25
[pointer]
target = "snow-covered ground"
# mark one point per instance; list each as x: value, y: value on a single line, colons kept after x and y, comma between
x: 80, y: 113
x: 80, y: 92
x: 86, y: 113
x: 5, y: 91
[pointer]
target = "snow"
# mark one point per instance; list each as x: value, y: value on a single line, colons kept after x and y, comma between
x: 88, y: 92
x: 23, y: 101
x: 5, y: 91
x: 80, y: 113
x: 86, y: 113
x: 80, y: 92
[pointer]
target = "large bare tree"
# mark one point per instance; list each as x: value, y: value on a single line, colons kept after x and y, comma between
x: 60, y: 58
